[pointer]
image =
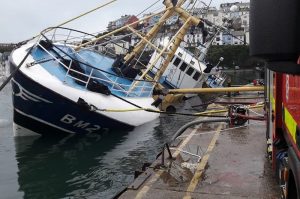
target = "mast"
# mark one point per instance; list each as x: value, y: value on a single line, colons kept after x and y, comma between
x: 170, y: 9
x: 175, y: 41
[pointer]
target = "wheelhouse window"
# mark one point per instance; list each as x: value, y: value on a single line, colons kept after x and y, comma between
x: 196, y: 76
x: 177, y: 61
x: 183, y: 66
x: 190, y: 71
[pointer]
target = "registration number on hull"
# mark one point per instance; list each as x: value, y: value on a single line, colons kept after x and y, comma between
x: 72, y: 120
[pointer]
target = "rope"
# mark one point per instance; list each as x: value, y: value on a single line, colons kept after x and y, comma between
x: 126, y: 101
x: 139, y: 108
x: 200, y: 114
x: 81, y: 15
x: 16, y: 69
x: 147, y: 8
x: 86, y: 13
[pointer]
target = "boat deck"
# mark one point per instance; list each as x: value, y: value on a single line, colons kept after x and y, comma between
x: 82, y: 74
x: 233, y: 164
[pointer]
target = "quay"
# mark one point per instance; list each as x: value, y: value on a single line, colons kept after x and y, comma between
x: 212, y: 160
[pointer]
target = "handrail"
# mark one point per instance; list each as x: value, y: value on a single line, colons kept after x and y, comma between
x: 114, y: 83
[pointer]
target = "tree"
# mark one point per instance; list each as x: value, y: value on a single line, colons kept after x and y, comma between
x: 239, y: 55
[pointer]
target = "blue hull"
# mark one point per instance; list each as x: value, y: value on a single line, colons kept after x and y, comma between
x: 43, y: 111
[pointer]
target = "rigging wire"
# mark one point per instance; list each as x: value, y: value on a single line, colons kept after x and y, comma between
x: 208, y: 5
x: 220, y: 28
x: 147, y: 8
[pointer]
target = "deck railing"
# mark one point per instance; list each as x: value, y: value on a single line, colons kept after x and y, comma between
x: 70, y: 40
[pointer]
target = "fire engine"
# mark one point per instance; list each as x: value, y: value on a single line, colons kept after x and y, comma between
x: 275, y: 37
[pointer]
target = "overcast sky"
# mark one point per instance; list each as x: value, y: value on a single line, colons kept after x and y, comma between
x: 22, y: 19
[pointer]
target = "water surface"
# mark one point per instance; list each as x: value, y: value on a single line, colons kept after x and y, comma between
x: 91, y: 166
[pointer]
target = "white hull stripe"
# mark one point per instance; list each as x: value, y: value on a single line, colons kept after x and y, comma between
x: 26, y: 95
x: 42, y: 121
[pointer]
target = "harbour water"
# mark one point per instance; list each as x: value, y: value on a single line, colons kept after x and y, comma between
x: 91, y: 166
x: 4, y: 69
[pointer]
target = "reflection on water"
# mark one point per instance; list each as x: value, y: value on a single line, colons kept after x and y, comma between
x: 56, y: 168
x: 241, y: 77
x: 88, y: 166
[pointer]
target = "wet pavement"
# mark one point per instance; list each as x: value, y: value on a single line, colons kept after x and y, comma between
x: 212, y: 161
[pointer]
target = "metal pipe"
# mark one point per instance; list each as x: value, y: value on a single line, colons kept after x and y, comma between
x: 184, y: 127
x: 216, y: 90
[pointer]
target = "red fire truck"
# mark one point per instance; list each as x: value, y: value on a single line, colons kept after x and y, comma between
x: 275, y: 37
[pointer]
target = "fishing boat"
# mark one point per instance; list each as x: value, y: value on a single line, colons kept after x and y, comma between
x: 186, y: 70
x: 62, y: 84
x: 189, y: 70
x: 60, y: 90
